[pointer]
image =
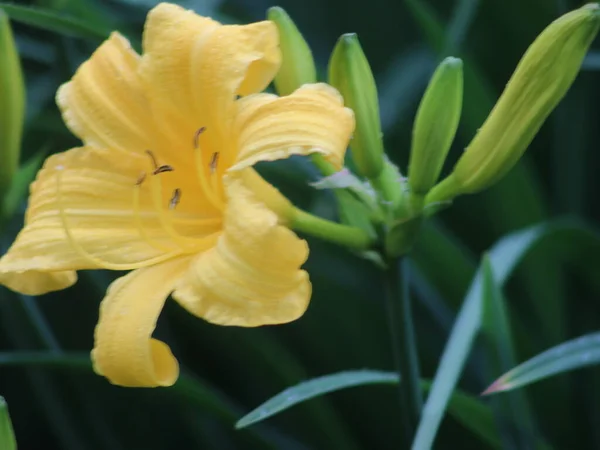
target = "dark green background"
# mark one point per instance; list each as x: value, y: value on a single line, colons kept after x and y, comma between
x: 57, y: 407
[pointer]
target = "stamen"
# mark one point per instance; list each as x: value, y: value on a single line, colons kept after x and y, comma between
x: 93, y: 260
x: 214, y: 160
x: 153, y: 158
x: 209, y: 189
x: 162, y: 169
x: 187, y: 244
x: 175, y: 198
x: 197, y: 136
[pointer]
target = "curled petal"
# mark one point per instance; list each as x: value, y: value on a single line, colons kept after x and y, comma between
x: 310, y: 120
x: 196, y: 66
x: 252, y: 276
x: 124, y: 351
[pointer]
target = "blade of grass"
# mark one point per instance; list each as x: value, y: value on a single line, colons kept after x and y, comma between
x: 47, y: 19
x: 514, y: 414
x: 469, y: 411
x: 571, y: 355
x: 504, y: 258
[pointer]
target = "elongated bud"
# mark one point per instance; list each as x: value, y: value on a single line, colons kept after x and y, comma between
x: 435, y: 125
x: 539, y: 82
x: 350, y: 73
x: 7, y: 436
x: 297, y: 64
x: 12, y: 104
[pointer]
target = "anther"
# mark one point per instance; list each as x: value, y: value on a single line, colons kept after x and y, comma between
x: 214, y: 160
x: 175, y: 198
x: 197, y: 136
x: 153, y: 158
x: 163, y: 168
x: 140, y: 179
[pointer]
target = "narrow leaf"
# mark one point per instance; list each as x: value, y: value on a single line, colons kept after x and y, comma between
x: 467, y: 410
x: 314, y: 388
x: 513, y: 413
x: 575, y: 354
x: 504, y: 258
x: 53, y: 21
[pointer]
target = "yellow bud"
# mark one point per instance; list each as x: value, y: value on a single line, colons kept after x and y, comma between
x: 539, y: 82
x: 297, y: 65
x: 12, y: 104
x: 350, y: 73
x: 435, y: 125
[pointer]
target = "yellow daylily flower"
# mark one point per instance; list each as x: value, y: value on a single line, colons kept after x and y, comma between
x: 164, y: 186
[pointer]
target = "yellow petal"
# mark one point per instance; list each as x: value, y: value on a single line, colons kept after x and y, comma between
x: 104, y: 104
x: 196, y: 66
x: 170, y: 36
x: 96, y: 197
x: 310, y: 120
x: 124, y: 351
x: 252, y: 276
x: 108, y: 106
x: 35, y: 282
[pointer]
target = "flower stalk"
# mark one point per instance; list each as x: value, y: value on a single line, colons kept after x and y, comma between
x: 404, y: 346
x: 344, y: 235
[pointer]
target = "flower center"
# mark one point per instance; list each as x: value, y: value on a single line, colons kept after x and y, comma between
x: 209, y: 183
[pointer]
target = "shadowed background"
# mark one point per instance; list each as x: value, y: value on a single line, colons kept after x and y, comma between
x: 55, y: 400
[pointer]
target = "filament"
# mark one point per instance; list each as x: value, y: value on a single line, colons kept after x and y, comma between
x: 210, y: 190
x: 99, y: 262
x: 186, y: 243
x: 138, y: 218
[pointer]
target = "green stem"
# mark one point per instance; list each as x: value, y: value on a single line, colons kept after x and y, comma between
x: 345, y: 235
x: 444, y: 191
x: 404, y: 345
x: 387, y: 185
x: 325, y: 167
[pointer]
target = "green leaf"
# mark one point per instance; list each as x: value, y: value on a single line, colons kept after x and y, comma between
x: 7, y: 435
x: 469, y: 411
x: 314, y: 388
x: 572, y: 238
x: 20, y: 184
x: 574, y: 354
x: 514, y: 413
x: 47, y: 19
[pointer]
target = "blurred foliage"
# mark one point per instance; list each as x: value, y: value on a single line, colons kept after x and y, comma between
x: 56, y: 401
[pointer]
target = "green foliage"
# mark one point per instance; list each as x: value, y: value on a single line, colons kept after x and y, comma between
x: 540, y: 277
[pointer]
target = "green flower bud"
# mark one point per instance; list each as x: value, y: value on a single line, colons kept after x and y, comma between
x: 7, y: 436
x: 12, y: 104
x: 539, y: 82
x: 297, y: 65
x: 350, y: 73
x: 435, y: 126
